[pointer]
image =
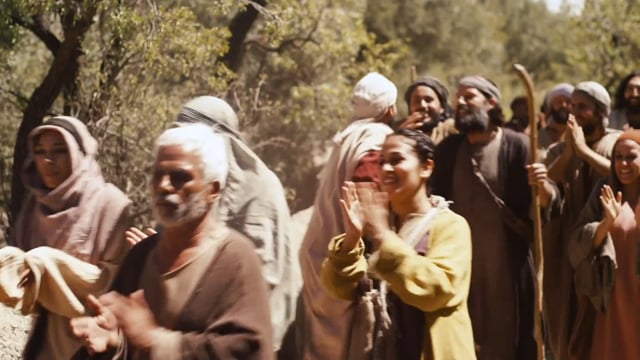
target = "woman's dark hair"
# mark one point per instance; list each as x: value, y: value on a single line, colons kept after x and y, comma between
x: 619, y: 100
x: 423, y: 145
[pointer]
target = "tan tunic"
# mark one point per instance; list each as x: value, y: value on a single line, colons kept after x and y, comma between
x: 615, y: 335
x: 165, y: 294
x: 560, y: 308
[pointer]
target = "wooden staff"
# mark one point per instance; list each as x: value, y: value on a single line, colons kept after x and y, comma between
x: 537, y: 221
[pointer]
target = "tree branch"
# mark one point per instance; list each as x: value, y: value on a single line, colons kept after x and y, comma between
x: 38, y: 28
x: 239, y: 28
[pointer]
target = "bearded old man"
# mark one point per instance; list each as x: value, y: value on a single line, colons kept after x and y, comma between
x: 253, y: 203
x: 477, y: 169
x: 194, y: 290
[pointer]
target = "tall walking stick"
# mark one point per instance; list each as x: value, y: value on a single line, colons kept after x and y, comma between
x: 537, y: 221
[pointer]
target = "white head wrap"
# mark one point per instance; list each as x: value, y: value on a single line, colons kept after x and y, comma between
x: 563, y: 89
x: 597, y: 92
x: 372, y: 95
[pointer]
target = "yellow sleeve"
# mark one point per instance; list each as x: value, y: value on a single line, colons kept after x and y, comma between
x: 341, y: 271
x: 438, y: 280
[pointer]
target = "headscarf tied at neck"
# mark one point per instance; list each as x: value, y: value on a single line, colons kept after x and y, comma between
x: 77, y: 216
x: 483, y: 84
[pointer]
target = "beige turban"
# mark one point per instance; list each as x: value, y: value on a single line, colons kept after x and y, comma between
x: 597, y: 92
x: 372, y: 96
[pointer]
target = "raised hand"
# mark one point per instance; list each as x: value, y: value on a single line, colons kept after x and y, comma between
x: 576, y: 136
x: 135, y: 235
x: 375, y: 209
x: 611, y: 204
x: 415, y: 120
x: 134, y: 317
x: 352, y: 216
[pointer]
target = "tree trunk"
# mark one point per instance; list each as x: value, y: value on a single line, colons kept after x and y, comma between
x: 62, y: 74
x: 239, y: 28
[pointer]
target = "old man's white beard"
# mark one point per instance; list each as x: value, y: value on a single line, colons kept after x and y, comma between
x: 195, y: 207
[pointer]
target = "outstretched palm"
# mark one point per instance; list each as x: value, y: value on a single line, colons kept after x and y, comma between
x: 352, y: 215
x: 611, y: 204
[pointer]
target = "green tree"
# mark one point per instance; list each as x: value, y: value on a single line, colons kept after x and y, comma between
x: 608, y: 41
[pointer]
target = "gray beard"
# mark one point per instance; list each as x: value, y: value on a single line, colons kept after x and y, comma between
x: 194, y: 208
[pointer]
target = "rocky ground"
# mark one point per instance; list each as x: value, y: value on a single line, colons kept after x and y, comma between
x: 14, y: 329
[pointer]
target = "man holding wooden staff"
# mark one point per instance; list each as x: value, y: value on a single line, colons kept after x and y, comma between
x: 484, y: 170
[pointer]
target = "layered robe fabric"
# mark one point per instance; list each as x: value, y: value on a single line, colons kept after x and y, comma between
x: 84, y: 217
x: 436, y: 284
x: 607, y: 284
x: 222, y: 314
x: 253, y: 203
x: 502, y: 274
x: 443, y: 130
x: 560, y: 302
x: 322, y: 322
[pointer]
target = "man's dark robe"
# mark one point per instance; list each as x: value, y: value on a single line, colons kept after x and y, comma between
x: 511, y: 184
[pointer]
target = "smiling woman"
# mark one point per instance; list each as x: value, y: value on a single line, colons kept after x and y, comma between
x: 604, y: 246
x: 421, y: 261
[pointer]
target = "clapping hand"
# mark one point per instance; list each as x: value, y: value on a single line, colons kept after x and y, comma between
x: 99, y: 332
x: 365, y: 211
x: 611, y: 204
x: 576, y: 136
x: 134, y: 317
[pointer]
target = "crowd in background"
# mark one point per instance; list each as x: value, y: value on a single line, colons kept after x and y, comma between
x: 418, y: 246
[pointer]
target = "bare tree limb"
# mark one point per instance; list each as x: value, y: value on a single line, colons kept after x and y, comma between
x: 37, y: 27
x: 239, y: 28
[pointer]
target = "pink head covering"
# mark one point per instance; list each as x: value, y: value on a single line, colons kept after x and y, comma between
x: 80, y: 214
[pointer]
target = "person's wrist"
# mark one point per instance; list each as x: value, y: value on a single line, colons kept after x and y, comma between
x: 378, y: 236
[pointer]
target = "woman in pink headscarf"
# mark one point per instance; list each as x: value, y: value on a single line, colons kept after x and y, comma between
x: 71, y: 228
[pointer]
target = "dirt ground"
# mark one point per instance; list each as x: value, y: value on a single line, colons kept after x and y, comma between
x: 14, y: 329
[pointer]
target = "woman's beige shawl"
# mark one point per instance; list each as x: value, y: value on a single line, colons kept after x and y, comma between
x: 323, y: 322
x: 73, y: 236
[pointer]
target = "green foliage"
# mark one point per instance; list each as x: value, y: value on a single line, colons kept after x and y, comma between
x: 298, y: 63
x: 608, y: 41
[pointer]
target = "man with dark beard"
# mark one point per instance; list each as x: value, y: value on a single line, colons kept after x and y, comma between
x: 194, y: 290
x: 429, y: 109
x: 576, y: 164
x: 626, y: 111
x: 558, y: 101
x: 484, y: 171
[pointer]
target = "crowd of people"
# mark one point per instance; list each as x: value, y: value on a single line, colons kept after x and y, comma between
x: 418, y: 246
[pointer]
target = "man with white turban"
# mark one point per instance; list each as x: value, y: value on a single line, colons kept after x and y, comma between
x: 557, y: 103
x: 323, y: 322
